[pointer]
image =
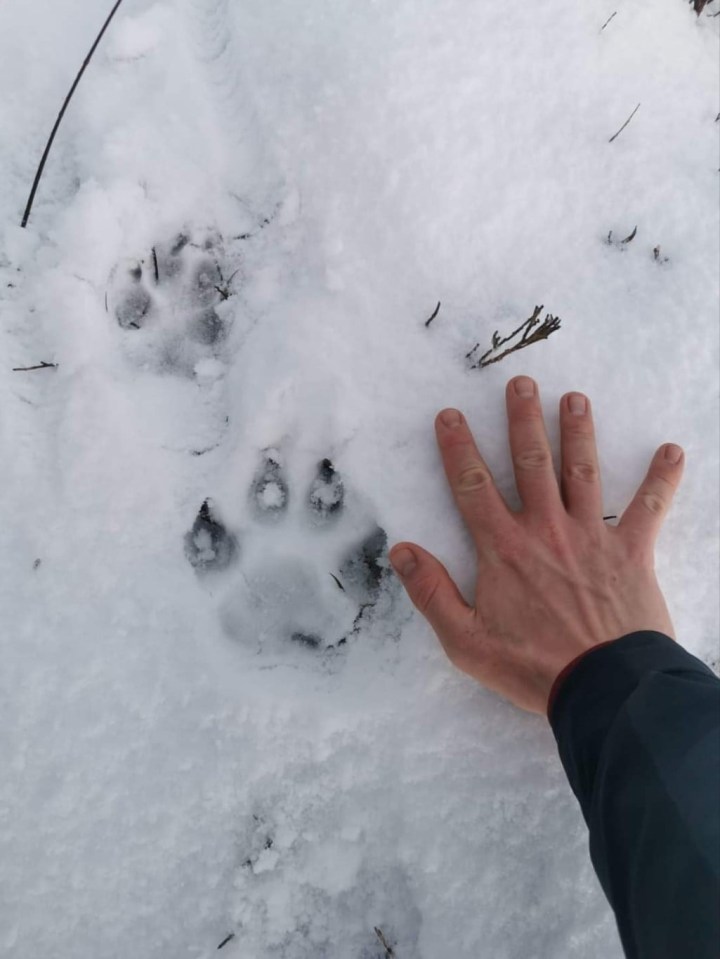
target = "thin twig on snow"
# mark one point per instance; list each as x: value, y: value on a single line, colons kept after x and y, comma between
x: 434, y: 314
x: 60, y: 115
x: 616, y: 135
x: 40, y: 366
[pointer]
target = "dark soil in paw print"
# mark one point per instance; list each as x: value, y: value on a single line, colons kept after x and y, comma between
x: 312, y: 568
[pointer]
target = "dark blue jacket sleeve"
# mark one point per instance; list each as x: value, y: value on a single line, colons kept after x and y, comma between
x: 637, y: 723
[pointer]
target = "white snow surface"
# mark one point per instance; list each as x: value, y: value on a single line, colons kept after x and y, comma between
x: 169, y: 778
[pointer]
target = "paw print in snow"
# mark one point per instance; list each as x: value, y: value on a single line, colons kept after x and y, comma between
x: 311, y: 571
x: 370, y: 913
x: 173, y: 303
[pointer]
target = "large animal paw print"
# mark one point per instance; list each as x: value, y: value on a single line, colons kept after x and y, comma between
x: 173, y: 302
x: 313, y: 568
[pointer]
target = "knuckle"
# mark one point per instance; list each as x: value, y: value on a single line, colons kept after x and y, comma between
x: 532, y: 459
x: 508, y: 549
x: 578, y: 428
x: 531, y: 412
x: 585, y: 472
x: 656, y: 495
x: 652, y: 502
x: 454, y: 439
x: 555, y: 535
x: 472, y: 478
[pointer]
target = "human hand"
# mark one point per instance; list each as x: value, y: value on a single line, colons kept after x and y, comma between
x: 553, y: 580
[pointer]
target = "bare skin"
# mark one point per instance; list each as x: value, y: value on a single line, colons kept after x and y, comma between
x: 553, y: 580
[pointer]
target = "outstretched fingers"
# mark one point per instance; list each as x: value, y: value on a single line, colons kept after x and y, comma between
x: 642, y: 520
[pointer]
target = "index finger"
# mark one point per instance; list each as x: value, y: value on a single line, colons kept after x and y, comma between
x: 476, y: 496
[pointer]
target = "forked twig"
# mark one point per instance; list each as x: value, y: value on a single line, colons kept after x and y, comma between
x: 60, y: 115
x: 548, y: 326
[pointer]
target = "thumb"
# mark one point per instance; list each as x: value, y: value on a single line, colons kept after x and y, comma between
x: 432, y: 591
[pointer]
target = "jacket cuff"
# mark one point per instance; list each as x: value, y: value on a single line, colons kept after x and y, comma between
x: 565, y: 672
x: 592, y: 692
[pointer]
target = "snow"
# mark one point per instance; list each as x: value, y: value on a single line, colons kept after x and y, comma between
x: 174, y: 771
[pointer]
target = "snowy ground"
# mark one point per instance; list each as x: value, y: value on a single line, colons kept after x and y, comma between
x: 178, y: 769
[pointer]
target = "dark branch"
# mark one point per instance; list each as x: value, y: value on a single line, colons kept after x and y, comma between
x: 60, y: 115
x: 608, y: 21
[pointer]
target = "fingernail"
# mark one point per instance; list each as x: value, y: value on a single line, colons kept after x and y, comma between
x: 451, y: 418
x: 524, y: 386
x: 577, y: 404
x: 673, y: 453
x: 403, y: 560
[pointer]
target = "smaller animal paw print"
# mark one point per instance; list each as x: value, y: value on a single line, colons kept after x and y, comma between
x: 371, y: 915
x: 311, y: 569
x: 174, y: 300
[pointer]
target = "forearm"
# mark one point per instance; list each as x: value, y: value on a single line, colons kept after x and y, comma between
x: 637, y: 722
